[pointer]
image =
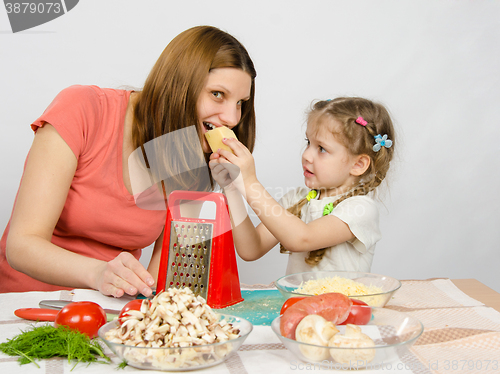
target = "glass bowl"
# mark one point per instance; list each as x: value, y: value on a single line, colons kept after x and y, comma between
x: 393, y: 333
x: 179, y: 359
x: 289, y: 283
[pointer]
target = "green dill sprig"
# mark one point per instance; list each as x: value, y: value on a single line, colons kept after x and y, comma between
x: 48, y: 341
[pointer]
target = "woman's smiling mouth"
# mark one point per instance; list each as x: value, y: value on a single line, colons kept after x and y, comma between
x: 208, y: 126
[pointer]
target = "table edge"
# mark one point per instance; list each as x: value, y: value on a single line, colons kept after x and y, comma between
x: 479, y: 291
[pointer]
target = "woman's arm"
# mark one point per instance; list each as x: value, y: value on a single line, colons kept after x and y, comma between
x: 42, y: 194
x: 291, y: 231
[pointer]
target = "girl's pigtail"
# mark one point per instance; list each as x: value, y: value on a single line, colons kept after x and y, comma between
x: 315, y: 257
x: 295, y: 210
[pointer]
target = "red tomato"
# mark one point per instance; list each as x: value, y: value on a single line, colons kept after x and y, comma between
x: 84, y: 316
x: 288, y: 303
x: 131, y: 305
x: 360, y: 313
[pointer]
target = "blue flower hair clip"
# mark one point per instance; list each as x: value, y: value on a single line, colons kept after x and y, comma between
x: 381, y: 141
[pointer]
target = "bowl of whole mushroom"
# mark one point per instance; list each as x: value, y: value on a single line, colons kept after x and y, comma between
x: 385, y: 338
x: 175, y: 331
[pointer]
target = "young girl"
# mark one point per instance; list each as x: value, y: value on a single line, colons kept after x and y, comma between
x: 332, y: 224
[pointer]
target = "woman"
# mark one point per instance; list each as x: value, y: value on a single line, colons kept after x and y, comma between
x: 78, y: 220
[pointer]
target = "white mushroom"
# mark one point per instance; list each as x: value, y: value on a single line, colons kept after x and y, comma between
x: 182, y: 331
x: 314, y: 329
x: 144, y: 306
x: 154, y: 324
x: 221, y: 334
x: 198, y: 311
x: 134, y: 313
x: 352, y: 338
x: 192, y: 331
x: 171, y: 321
x: 188, y: 318
x: 209, y: 337
x: 163, y: 328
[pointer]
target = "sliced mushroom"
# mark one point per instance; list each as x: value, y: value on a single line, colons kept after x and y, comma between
x: 209, y: 337
x: 134, y: 313
x: 144, y: 306
x: 220, y: 334
x: 173, y: 318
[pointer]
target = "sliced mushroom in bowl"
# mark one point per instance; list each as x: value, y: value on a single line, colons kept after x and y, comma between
x: 177, y: 332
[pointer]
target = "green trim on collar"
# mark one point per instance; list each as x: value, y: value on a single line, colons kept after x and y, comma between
x: 312, y: 195
x: 328, y: 209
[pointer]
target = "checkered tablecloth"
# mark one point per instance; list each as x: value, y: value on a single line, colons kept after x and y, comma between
x: 461, y: 335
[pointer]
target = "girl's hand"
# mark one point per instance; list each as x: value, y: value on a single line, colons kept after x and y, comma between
x: 219, y: 172
x: 123, y: 275
x: 236, y: 164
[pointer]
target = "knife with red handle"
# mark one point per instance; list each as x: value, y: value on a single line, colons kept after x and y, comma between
x: 37, y: 314
x: 59, y: 304
x: 44, y: 314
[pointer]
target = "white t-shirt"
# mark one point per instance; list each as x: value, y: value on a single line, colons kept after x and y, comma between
x: 360, y: 213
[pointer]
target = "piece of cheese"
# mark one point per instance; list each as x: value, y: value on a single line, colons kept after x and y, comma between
x: 215, y: 136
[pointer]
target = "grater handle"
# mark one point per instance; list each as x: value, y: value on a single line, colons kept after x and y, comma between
x: 222, y: 220
x: 176, y: 196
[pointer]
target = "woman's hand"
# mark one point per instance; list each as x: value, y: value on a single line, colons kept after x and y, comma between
x: 123, y: 275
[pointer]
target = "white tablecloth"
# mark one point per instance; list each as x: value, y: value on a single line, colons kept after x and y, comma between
x: 459, y: 331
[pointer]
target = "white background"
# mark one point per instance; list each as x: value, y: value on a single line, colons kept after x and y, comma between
x: 434, y: 64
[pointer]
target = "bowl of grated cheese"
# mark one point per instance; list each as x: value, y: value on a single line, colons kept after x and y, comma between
x: 373, y: 289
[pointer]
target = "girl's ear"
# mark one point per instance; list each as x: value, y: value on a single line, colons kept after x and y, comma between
x: 361, y: 164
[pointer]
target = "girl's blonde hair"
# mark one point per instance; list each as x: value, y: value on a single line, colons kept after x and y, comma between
x: 168, y: 100
x: 358, y: 140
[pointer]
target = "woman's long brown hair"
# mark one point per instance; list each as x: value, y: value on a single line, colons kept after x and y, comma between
x: 168, y: 100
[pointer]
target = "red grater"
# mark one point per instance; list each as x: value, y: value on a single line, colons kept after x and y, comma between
x: 199, y: 253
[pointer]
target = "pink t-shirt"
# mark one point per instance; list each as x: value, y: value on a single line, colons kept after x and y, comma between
x: 100, y: 218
